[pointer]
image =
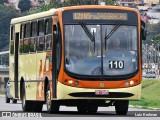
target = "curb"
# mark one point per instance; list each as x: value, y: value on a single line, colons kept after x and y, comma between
x: 142, y: 107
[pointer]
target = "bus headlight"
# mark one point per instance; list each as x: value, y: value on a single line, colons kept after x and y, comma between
x: 131, y: 82
x: 70, y: 81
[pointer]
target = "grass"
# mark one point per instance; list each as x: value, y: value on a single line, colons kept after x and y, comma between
x: 150, y: 97
x: 1, y: 94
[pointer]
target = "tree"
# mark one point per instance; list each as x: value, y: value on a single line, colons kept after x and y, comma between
x: 111, y: 2
x: 6, y: 14
x: 24, y: 5
x: 2, y: 1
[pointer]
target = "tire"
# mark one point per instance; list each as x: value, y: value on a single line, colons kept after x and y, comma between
x: 121, y: 107
x: 82, y: 108
x: 30, y: 106
x: 14, y: 101
x: 92, y: 109
x: 26, y: 105
x: 37, y: 106
x: 7, y: 99
x: 52, y: 106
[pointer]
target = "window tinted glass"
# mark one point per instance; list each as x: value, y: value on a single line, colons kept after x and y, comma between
x: 41, y: 27
x: 48, y: 26
x: 27, y: 30
x: 34, y: 28
x: 40, y: 44
x: 32, y: 45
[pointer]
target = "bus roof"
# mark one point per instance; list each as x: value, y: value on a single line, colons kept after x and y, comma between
x: 51, y: 12
x: 33, y: 16
x: 99, y: 6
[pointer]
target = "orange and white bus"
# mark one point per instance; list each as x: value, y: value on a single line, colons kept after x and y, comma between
x: 66, y: 56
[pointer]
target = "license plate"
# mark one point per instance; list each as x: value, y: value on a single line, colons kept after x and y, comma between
x: 101, y: 92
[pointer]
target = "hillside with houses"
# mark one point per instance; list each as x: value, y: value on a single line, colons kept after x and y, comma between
x: 150, y: 11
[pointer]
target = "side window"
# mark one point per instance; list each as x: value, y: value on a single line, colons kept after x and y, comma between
x: 48, y: 26
x: 40, y: 44
x: 27, y: 30
x: 22, y: 32
x: 48, y: 42
x: 48, y: 34
x: 32, y: 44
x: 12, y: 32
x: 33, y: 28
x: 12, y: 40
x: 41, y: 29
x: 21, y: 38
x: 26, y: 38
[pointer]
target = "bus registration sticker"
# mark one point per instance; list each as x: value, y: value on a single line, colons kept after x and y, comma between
x: 101, y: 92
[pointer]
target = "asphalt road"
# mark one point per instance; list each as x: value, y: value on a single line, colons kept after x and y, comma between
x: 71, y: 113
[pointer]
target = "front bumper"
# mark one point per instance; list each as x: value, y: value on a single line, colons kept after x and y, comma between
x: 68, y: 92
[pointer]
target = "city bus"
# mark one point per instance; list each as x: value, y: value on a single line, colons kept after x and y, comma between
x: 66, y: 57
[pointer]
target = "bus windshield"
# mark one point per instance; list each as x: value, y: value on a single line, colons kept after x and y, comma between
x: 114, y: 56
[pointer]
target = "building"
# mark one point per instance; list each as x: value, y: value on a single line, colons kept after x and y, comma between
x: 152, y: 1
x: 128, y: 2
x: 13, y: 3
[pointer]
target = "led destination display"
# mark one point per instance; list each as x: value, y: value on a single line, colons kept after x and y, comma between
x: 99, y: 16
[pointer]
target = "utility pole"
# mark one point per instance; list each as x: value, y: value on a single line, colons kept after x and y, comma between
x: 158, y: 58
x: 1, y: 60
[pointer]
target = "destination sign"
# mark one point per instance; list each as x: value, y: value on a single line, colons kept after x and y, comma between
x: 99, y: 16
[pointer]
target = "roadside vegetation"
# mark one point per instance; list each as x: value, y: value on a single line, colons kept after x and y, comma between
x: 150, y: 95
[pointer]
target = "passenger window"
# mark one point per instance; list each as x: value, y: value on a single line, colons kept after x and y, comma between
x: 12, y: 33
x: 22, y: 32
x: 26, y: 38
x: 21, y: 38
x: 32, y: 45
x: 34, y: 29
x: 21, y: 45
x: 48, y: 32
x: 48, y: 43
x: 48, y: 26
x: 25, y: 46
x: 12, y: 47
x: 40, y: 45
x: 41, y: 28
x: 12, y: 40
x: 27, y: 30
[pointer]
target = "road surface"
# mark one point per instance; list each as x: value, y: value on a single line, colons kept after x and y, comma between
x: 68, y: 113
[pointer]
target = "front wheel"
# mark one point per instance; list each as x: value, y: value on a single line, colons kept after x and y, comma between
x: 92, y: 109
x: 121, y: 107
x: 52, y: 106
x: 82, y: 108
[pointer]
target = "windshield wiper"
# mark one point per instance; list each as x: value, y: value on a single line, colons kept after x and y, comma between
x: 87, y: 31
x: 89, y: 34
x: 111, y: 32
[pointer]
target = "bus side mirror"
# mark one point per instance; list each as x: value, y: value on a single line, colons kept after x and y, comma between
x: 143, y: 30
